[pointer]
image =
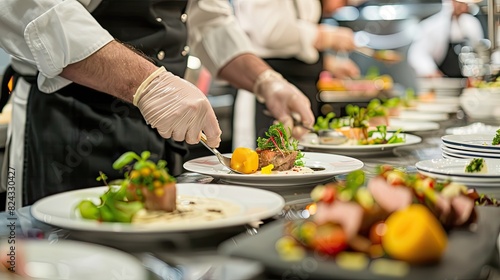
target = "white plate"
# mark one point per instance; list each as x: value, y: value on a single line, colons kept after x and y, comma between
x: 74, y: 260
x: 477, y: 141
x: 456, y: 168
x: 455, y: 100
x: 255, y: 204
x: 333, y: 165
x: 363, y: 150
x: 474, y: 128
x: 422, y: 116
x: 411, y: 126
x: 437, y: 107
x: 470, y: 149
x: 468, y: 154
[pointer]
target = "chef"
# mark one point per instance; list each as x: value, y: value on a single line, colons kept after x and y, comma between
x: 434, y: 51
x: 98, y: 78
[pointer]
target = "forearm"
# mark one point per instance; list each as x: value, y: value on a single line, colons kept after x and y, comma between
x: 243, y: 70
x: 114, y: 69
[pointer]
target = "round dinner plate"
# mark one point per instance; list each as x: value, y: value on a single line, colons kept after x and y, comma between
x: 331, y: 166
x: 468, y: 154
x: 411, y: 126
x: 479, y: 142
x: 66, y: 259
x: 437, y: 108
x: 474, y: 128
x: 454, y: 169
x: 422, y: 116
x: 254, y: 204
x: 363, y: 150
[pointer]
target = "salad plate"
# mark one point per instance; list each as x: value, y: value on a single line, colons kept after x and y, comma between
x: 325, y: 167
x: 362, y: 150
x: 67, y: 259
x: 59, y: 210
x: 472, y: 141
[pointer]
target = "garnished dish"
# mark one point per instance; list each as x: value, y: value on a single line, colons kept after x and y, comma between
x: 147, y: 194
x: 476, y: 165
x: 395, y: 215
x: 496, y: 139
x: 277, y: 152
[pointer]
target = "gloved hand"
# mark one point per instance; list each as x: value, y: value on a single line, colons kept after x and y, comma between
x: 177, y: 109
x: 337, y: 38
x: 341, y: 68
x: 283, y: 99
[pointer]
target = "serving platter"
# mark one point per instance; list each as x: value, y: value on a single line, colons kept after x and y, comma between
x: 59, y: 210
x: 67, y: 259
x: 327, y: 166
x: 362, y: 150
x: 465, y: 257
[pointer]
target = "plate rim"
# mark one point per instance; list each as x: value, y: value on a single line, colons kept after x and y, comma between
x: 124, y: 228
x: 419, y: 166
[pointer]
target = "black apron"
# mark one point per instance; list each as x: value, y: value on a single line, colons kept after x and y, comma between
x: 303, y: 75
x: 450, y: 66
x: 75, y: 133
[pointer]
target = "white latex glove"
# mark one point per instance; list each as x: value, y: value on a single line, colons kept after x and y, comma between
x: 177, y: 109
x: 341, y: 68
x: 283, y: 99
x: 333, y: 37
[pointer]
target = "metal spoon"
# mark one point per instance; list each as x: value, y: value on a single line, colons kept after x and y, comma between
x: 226, y: 161
x: 388, y: 56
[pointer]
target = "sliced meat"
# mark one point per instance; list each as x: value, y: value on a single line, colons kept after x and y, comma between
x: 347, y: 214
x: 390, y: 198
x: 463, y: 209
x: 165, y: 199
x: 281, y: 161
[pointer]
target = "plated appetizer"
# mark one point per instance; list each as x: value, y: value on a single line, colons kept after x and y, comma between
x: 394, y: 215
x: 147, y: 194
x: 278, y: 151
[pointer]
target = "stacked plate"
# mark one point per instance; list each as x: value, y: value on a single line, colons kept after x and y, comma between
x: 469, y: 146
x: 454, y: 169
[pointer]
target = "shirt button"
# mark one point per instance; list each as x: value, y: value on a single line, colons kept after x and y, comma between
x: 185, y: 51
x: 159, y: 19
x: 160, y: 55
x: 184, y: 17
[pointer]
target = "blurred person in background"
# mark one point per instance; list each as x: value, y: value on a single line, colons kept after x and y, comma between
x: 435, y: 49
x: 289, y: 36
x: 98, y: 78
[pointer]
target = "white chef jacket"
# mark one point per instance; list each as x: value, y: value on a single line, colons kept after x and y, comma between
x: 431, y: 42
x: 279, y: 30
x: 50, y: 34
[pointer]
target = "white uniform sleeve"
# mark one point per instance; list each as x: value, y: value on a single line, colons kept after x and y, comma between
x: 50, y: 35
x: 214, y: 35
x: 275, y: 29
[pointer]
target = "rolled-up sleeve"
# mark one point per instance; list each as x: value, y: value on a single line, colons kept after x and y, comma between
x: 214, y: 35
x: 50, y: 35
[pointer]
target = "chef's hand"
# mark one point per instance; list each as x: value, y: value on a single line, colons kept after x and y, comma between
x: 337, y: 38
x: 177, y: 109
x: 341, y: 68
x: 282, y: 99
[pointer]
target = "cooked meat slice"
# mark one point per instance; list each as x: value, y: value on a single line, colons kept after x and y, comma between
x: 281, y: 161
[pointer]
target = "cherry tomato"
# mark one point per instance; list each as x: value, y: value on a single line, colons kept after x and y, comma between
x: 329, y: 239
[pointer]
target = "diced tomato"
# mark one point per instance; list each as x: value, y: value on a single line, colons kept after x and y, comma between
x: 330, y: 239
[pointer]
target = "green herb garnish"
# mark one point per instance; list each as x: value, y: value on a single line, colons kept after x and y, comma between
x: 496, y: 139
x: 280, y: 140
x: 476, y: 165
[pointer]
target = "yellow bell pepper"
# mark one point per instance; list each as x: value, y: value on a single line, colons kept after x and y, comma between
x: 414, y: 235
x: 245, y: 160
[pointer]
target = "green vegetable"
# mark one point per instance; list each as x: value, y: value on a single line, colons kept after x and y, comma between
x: 279, y: 139
x: 476, y: 165
x: 358, y: 116
x: 496, y: 139
x: 323, y: 122
x: 89, y: 210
